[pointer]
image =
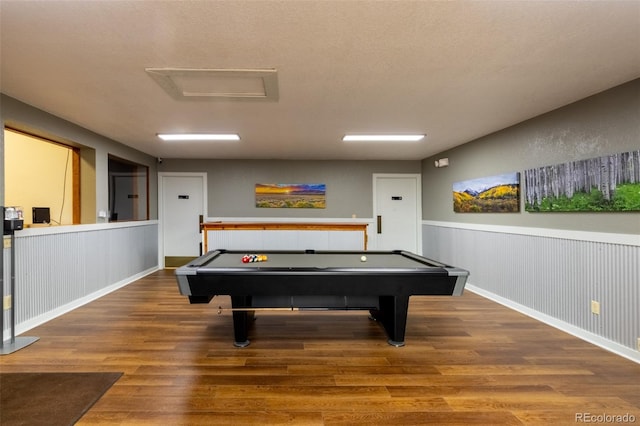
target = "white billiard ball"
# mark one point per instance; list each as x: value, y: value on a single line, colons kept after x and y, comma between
x: 363, y: 258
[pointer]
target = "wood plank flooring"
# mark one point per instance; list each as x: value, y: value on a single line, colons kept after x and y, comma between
x: 467, y: 360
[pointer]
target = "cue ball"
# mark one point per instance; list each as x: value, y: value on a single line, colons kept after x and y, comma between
x: 363, y: 258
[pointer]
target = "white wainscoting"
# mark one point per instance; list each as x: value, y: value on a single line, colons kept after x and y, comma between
x: 551, y: 275
x: 285, y: 240
x: 311, y: 234
x: 58, y: 269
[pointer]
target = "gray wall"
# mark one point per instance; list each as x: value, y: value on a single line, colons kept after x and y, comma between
x: 21, y: 116
x: 231, y: 184
x: 74, y: 266
x: 552, y: 276
x: 606, y: 123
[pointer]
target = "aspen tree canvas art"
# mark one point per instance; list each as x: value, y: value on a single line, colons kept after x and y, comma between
x: 605, y: 184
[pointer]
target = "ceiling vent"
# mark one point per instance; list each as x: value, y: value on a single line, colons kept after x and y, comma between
x: 217, y: 84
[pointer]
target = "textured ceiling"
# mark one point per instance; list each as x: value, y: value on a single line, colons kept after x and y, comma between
x: 453, y: 70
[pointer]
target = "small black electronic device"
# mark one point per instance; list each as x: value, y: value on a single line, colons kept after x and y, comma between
x: 11, y: 225
x: 41, y: 215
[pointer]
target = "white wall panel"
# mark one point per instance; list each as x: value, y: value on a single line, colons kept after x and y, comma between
x: 56, y: 269
x: 346, y: 240
x: 255, y: 240
x: 555, y: 276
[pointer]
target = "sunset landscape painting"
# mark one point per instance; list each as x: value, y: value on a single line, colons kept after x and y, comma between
x: 291, y: 195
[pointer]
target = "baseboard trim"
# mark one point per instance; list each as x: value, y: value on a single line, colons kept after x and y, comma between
x: 587, y: 336
x: 41, y: 319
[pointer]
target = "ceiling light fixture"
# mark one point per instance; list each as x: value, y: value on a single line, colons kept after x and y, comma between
x: 199, y: 137
x: 382, y: 138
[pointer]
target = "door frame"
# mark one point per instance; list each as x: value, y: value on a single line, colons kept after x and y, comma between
x: 161, y: 199
x: 418, y: 178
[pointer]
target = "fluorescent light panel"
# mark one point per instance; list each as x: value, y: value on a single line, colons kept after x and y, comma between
x: 382, y: 138
x: 199, y: 137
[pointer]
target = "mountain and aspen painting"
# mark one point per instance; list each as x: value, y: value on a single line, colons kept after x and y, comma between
x: 604, y: 184
x: 291, y: 195
x: 492, y: 194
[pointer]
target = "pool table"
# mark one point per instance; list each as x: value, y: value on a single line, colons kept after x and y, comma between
x: 380, y: 282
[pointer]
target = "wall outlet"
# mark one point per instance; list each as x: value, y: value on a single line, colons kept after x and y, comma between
x: 7, y: 242
x: 595, y: 307
x: 7, y: 303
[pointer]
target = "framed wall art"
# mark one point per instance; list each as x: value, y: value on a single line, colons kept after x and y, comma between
x: 604, y: 184
x: 492, y: 194
x: 291, y: 195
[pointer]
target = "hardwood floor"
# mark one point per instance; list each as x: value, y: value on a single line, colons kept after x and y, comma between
x: 467, y: 361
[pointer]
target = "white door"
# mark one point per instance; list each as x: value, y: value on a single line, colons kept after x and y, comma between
x: 182, y: 205
x: 397, y: 212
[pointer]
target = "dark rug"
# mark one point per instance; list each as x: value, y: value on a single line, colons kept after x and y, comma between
x: 50, y: 398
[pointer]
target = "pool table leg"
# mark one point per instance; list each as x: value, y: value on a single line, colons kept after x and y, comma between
x: 241, y: 320
x: 393, y: 316
x: 200, y: 299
